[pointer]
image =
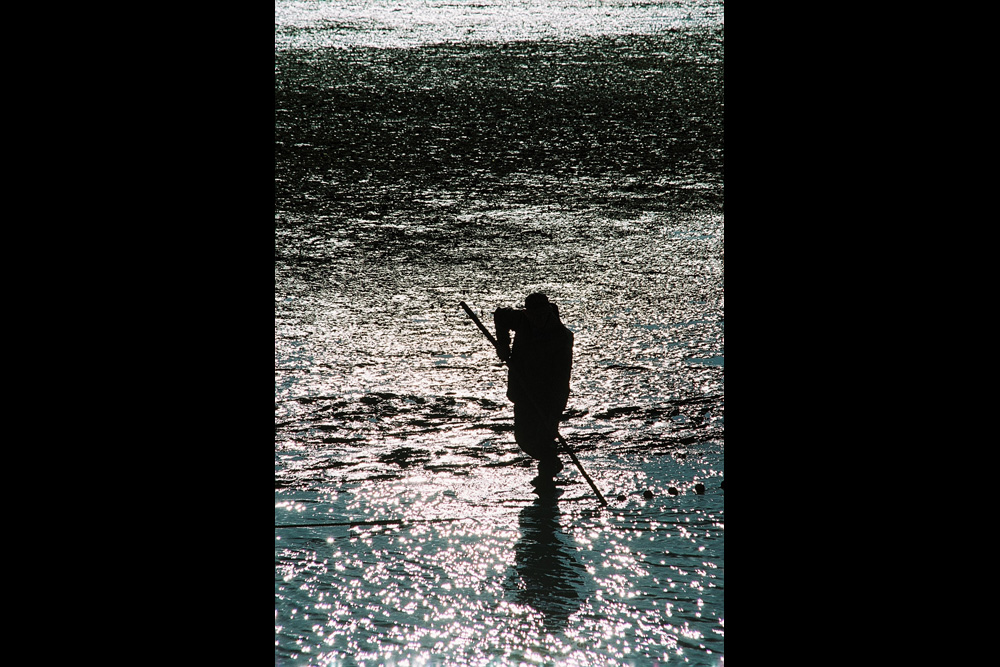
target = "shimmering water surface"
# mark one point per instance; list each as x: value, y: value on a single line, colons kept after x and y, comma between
x: 428, y: 153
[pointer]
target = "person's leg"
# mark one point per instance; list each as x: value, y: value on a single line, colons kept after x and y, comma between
x: 528, y: 430
x: 549, y: 467
x: 536, y: 436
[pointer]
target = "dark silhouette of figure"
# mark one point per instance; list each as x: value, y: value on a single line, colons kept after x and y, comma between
x: 546, y: 576
x: 537, y: 380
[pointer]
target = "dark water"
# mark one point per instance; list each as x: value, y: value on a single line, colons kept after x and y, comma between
x: 431, y: 153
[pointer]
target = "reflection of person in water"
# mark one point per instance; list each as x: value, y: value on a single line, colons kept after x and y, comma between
x: 547, y: 576
x: 538, y: 382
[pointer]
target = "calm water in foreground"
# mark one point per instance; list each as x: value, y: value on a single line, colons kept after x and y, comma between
x: 428, y: 153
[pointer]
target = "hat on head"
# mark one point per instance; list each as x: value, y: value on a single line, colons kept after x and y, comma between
x: 536, y: 300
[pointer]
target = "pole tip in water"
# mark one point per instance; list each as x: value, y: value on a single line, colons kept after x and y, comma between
x: 699, y: 488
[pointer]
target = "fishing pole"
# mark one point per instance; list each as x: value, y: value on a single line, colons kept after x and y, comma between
x: 562, y: 441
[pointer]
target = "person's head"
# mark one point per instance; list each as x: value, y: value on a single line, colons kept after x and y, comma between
x: 536, y: 300
x: 539, y: 308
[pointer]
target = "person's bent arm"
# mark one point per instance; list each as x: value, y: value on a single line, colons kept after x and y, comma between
x: 505, y: 321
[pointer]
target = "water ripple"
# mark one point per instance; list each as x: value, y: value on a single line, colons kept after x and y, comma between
x: 432, y: 153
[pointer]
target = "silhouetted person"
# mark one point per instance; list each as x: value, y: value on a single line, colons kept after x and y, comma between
x: 538, y: 379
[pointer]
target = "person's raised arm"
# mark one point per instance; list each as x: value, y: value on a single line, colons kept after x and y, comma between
x: 504, y: 321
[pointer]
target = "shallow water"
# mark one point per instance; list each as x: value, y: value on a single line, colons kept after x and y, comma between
x: 428, y: 153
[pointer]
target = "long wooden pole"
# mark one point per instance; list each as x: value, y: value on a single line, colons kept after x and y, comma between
x: 562, y: 441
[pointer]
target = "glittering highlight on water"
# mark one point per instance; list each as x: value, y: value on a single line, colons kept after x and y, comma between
x: 428, y: 153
